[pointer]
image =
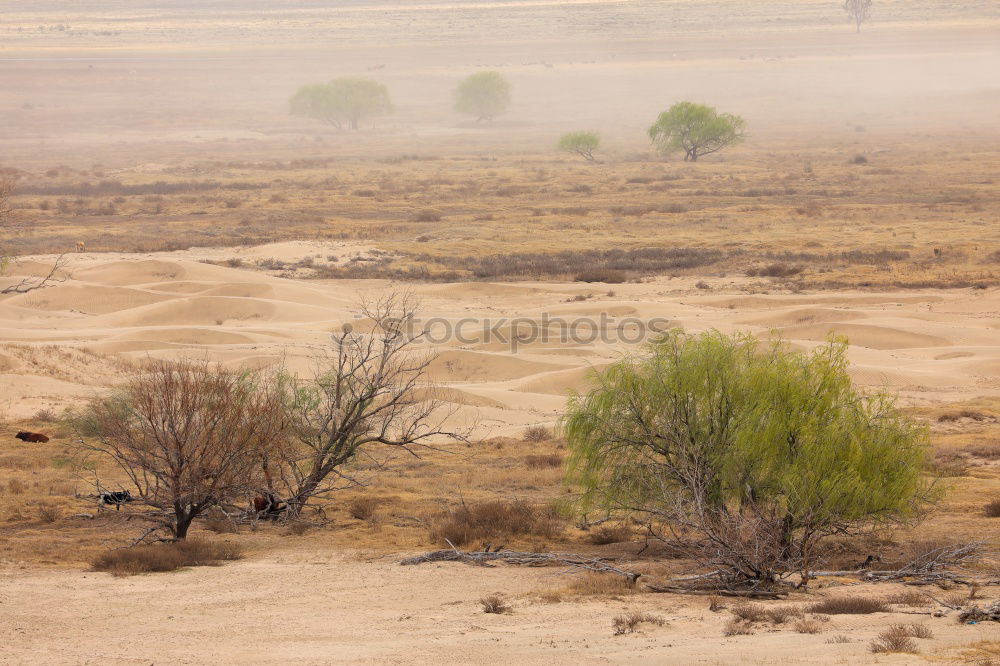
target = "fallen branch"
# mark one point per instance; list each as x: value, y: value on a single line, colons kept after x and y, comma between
x: 976, y: 614
x: 723, y: 592
x: 483, y: 558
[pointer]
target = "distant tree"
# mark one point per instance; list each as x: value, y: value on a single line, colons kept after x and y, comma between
x: 696, y: 129
x: 581, y: 143
x: 344, y: 101
x: 860, y: 10
x: 743, y: 454
x: 188, y: 436
x: 484, y: 95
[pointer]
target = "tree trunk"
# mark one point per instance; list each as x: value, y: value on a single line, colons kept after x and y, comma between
x: 183, y: 523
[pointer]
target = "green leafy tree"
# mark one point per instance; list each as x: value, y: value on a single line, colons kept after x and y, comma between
x: 581, y: 143
x: 484, y: 95
x: 743, y: 453
x: 859, y: 10
x: 342, y: 102
x: 695, y: 129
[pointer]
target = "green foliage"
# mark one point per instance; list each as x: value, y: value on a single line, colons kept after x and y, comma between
x: 751, y: 452
x: 344, y: 101
x: 581, y: 143
x: 484, y: 95
x: 696, y: 129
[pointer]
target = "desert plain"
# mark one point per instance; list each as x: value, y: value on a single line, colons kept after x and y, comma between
x: 864, y: 204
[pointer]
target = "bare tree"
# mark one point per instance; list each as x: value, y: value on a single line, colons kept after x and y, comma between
x: 187, y: 435
x: 7, y: 225
x: 370, y: 390
x: 859, y: 10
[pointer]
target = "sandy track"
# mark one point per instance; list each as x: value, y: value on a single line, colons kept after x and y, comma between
x: 316, y: 608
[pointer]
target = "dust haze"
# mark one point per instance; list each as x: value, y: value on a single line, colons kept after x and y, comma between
x: 159, y: 201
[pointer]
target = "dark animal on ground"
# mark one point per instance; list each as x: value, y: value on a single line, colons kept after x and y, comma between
x: 267, y: 505
x: 26, y: 436
x: 117, y: 498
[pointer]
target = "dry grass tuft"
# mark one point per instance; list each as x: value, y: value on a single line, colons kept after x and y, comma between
x: 992, y: 510
x: 738, y: 627
x: 493, y: 520
x: 804, y: 626
x: 606, y: 535
x: 165, y: 557
x: 850, y: 606
x: 536, y: 433
x: 899, y: 638
x: 494, y: 603
x: 629, y: 622
x: 363, y: 508
x: 543, y: 461
x: 908, y: 598
x: 749, y: 612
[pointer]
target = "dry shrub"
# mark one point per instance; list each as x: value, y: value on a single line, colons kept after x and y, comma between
x: 749, y: 612
x: 494, y: 519
x: 543, y: 461
x: 898, y: 638
x: 992, y: 510
x: 603, y: 535
x: 738, y: 627
x: 985, y: 451
x: 45, y: 416
x: 951, y: 417
x: 594, y: 584
x: 629, y: 622
x: 783, y: 614
x: 494, y: 603
x: 48, y: 513
x: 838, y: 639
x: 536, y: 433
x: 850, y: 606
x: 607, y: 275
x: 804, y: 626
x: 363, y: 508
x: 908, y: 598
x: 165, y: 557
x: 949, y: 463
x: 427, y: 216
x: 777, y: 270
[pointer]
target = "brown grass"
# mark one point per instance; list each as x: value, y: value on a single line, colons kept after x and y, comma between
x: 543, y: 461
x: 899, y: 638
x: 536, y: 433
x: 605, y: 535
x: 165, y: 557
x: 493, y: 520
x: 629, y: 622
x: 494, y: 603
x: 850, y: 606
x: 364, y: 508
x: 992, y: 509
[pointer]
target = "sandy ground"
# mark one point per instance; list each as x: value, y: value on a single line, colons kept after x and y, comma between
x: 322, y: 608
x: 928, y: 346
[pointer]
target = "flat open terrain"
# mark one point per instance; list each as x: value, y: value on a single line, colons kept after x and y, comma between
x: 864, y: 203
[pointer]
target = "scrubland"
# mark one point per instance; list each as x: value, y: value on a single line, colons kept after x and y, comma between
x: 863, y: 204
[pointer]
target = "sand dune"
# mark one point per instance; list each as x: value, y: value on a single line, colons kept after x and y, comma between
x: 863, y: 335
x: 173, y: 306
x: 467, y: 366
x: 89, y: 299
